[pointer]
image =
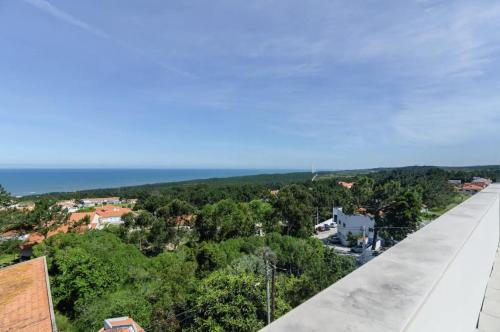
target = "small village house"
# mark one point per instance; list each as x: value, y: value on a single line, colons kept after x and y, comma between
x: 108, y: 215
x: 354, y: 225
x: 481, y: 181
x: 347, y: 185
x: 70, y: 205
x: 121, y: 324
x: 472, y: 188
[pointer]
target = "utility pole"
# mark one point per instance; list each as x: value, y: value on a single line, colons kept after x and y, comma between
x: 268, y: 301
x: 269, y: 258
x: 363, y: 246
x: 273, y: 292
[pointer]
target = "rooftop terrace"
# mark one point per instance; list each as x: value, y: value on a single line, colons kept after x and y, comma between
x: 438, y: 279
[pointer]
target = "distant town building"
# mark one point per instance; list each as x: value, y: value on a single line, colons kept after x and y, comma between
x: 23, y: 206
x: 472, y: 188
x: 78, y: 217
x: 88, y: 202
x: 104, y: 215
x: 455, y: 182
x: 13, y: 235
x: 25, y: 299
x: 108, y: 214
x: 121, y: 324
x: 347, y: 185
x: 35, y: 238
x: 481, y: 181
x: 69, y: 205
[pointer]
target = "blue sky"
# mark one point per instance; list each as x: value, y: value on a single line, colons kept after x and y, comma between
x: 251, y: 84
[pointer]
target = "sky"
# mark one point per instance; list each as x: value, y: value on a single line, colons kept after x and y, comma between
x: 249, y: 84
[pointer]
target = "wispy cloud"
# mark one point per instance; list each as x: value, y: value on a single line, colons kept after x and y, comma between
x: 52, y: 10
x: 381, y: 77
x: 57, y: 13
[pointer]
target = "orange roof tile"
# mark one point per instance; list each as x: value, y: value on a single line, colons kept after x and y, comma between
x: 68, y: 203
x: 185, y: 219
x: 35, y: 238
x: 347, y: 185
x: 12, y: 233
x: 108, y: 211
x: 77, y: 216
x: 120, y: 324
x: 25, y: 301
x: 472, y: 186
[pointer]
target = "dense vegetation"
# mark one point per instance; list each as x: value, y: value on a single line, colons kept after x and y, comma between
x: 208, y: 286
x: 194, y: 256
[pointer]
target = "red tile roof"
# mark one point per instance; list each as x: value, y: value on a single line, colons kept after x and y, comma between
x: 9, y: 234
x: 77, y: 216
x: 25, y: 301
x: 184, y: 220
x: 108, y: 211
x: 35, y: 238
x: 119, y: 324
x: 472, y: 186
x: 347, y: 185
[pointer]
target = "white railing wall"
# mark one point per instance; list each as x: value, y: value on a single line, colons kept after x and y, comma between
x: 432, y: 281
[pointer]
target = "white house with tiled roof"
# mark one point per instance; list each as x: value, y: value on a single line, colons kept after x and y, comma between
x: 109, y: 214
x: 354, y: 224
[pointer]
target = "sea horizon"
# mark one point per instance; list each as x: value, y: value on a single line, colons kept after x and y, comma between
x: 36, y: 181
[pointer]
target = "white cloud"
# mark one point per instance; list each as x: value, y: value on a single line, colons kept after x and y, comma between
x: 57, y: 13
x: 52, y: 10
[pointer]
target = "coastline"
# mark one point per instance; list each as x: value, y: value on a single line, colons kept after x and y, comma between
x: 30, y: 182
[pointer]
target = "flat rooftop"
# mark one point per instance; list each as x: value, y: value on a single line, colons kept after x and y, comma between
x: 444, y: 277
x: 25, y: 301
x: 489, y: 319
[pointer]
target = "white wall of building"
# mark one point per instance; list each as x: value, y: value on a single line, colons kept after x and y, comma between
x: 353, y: 224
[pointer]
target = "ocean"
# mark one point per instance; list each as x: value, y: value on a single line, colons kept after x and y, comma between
x: 22, y: 182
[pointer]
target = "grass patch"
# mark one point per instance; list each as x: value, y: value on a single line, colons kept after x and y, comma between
x: 457, y: 199
x: 63, y: 323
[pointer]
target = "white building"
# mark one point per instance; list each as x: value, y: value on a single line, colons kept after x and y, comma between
x: 354, y: 224
x: 108, y: 214
x: 69, y: 205
x: 13, y: 235
x: 88, y: 202
x: 481, y: 180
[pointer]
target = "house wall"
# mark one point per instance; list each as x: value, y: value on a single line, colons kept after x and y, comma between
x: 352, y: 223
x: 111, y: 220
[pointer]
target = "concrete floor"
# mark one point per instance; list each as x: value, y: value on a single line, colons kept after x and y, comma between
x: 489, y: 318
